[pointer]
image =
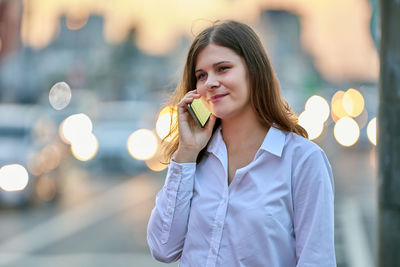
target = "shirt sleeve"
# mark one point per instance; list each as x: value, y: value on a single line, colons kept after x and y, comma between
x: 313, y: 197
x: 167, y: 226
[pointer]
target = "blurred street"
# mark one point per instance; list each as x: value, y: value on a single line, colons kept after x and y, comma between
x: 101, y: 220
x: 83, y: 87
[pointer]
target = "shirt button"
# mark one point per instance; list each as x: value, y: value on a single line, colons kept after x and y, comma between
x: 219, y: 224
x: 213, y: 251
x: 170, y: 211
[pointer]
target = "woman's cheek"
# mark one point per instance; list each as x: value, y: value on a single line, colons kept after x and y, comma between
x: 201, y: 90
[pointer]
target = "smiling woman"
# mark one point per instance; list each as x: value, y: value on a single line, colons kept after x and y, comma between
x: 248, y: 189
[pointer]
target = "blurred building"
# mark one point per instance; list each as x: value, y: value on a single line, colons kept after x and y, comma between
x: 78, y: 51
x: 10, y: 19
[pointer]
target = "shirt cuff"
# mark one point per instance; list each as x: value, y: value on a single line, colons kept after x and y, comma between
x: 180, y: 176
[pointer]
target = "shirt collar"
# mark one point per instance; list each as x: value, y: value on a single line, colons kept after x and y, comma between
x: 273, y: 142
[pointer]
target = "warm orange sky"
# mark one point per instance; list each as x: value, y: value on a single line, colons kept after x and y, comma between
x: 335, y: 32
x: 337, y: 35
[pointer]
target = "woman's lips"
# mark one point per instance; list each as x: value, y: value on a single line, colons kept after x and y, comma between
x: 217, y: 98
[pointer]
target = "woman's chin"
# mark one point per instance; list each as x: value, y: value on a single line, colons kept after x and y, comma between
x: 221, y: 116
x: 218, y: 114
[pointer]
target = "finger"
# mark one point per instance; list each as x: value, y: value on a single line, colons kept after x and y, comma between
x: 188, y: 98
x: 196, y: 94
x: 184, y: 101
x: 211, y: 122
x: 193, y: 93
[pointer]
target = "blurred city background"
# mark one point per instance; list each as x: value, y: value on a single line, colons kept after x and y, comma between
x: 82, y: 90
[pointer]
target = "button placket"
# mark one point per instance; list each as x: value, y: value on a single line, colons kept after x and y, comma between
x: 217, y: 230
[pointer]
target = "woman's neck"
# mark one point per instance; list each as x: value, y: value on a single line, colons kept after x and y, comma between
x: 243, y: 132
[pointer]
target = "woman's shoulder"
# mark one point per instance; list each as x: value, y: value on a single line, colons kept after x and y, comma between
x: 307, y: 155
x: 300, y: 146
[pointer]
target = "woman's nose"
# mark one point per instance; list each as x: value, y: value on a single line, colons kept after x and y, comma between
x: 212, y: 83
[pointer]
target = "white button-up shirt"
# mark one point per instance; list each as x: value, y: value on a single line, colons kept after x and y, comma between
x: 276, y: 212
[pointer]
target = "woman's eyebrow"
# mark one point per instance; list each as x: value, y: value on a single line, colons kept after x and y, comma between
x: 221, y: 62
x: 216, y: 64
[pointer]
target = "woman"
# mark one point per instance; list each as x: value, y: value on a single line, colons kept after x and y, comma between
x: 248, y: 189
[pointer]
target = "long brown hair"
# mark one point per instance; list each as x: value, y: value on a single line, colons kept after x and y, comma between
x: 265, y: 94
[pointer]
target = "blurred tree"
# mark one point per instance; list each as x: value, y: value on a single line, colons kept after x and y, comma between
x: 388, y: 136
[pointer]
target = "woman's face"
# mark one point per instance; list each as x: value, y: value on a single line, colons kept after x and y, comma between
x: 222, y: 81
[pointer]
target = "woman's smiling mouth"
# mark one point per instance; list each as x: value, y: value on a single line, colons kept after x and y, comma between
x: 216, y: 98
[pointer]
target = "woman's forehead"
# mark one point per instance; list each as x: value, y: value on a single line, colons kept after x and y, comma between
x: 213, y: 53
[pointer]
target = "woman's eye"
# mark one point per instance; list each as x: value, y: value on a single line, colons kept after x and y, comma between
x: 201, y: 76
x: 222, y: 68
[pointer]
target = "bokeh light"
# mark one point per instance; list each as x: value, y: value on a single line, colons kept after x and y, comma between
x: 346, y: 131
x: 13, y: 177
x: 353, y: 102
x: 371, y: 131
x: 60, y: 95
x: 46, y: 188
x: 337, y: 110
x: 34, y: 164
x: 76, y: 20
x: 75, y: 126
x: 163, y: 124
x: 142, y: 144
x: 312, y: 123
x: 85, y: 148
x: 45, y: 160
x: 52, y: 156
x: 155, y: 164
x: 318, y: 105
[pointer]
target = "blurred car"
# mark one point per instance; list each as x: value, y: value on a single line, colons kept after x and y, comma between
x: 28, y: 157
x: 115, y: 122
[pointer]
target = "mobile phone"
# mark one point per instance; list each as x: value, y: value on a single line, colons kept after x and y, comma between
x: 199, y: 112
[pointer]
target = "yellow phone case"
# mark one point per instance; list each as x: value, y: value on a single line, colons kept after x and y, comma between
x: 199, y: 112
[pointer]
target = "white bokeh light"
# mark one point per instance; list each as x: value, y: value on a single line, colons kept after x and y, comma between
x: 346, y: 131
x: 371, y: 131
x: 163, y: 124
x: 74, y: 127
x: 142, y: 144
x: 60, y: 95
x: 85, y: 148
x: 318, y: 106
x: 13, y: 177
x: 312, y: 124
